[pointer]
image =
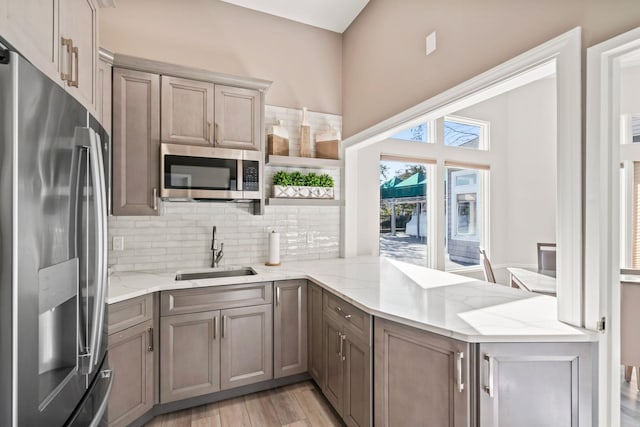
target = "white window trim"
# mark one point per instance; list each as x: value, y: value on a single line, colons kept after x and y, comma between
x: 561, y: 55
x: 602, y: 205
x: 483, y: 140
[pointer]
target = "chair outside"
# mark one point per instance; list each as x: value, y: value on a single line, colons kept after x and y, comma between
x: 546, y: 257
x: 486, y: 265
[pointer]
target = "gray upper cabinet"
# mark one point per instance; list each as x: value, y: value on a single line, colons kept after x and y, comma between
x: 187, y: 111
x: 314, y: 333
x: 549, y: 382
x: 290, y: 328
x: 189, y: 355
x: 136, y: 142
x: 131, y: 358
x: 246, y: 353
x: 237, y: 118
x: 421, y: 379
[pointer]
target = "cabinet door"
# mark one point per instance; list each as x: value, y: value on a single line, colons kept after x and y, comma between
x: 247, y: 346
x: 32, y: 27
x: 136, y: 142
x: 78, y: 22
x: 103, y: 95
x: 536, y: 384
x: 189, y: 355
x: 290, y: 328
x: 421, y: 379
x: 357, y: 382
x: 237, y: 118
x: 314, y: 334
x: 333, y: 384
x: 187, y: 111
x: 131, y: 358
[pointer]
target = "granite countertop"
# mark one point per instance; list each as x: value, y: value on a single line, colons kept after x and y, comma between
x: 448, y: 304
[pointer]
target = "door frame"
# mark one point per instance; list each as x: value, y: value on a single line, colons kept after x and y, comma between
x: 602, y: 213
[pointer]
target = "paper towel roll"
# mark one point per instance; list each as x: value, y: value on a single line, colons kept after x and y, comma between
x: 274, y: 248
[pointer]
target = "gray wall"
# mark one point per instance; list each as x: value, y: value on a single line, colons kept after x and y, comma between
x: 385, y: 69
x: 304, y: 62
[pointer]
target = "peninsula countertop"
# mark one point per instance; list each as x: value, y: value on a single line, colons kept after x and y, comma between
x: 447, y: 304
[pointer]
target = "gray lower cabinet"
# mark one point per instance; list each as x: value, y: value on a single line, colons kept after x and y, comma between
x: 189, y: 355
x: 536, y: 384
x: 347, y: 361
x: 421, y: 379
x: 131, y: 358
x: 315, y: 347
x: 136, y: 142
x: 246, y: 349
x: 290, y: 328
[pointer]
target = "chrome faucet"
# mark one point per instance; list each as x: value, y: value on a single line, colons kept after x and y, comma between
x: 216, y: 255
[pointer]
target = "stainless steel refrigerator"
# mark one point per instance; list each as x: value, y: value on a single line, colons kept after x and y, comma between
x: 53, y: 266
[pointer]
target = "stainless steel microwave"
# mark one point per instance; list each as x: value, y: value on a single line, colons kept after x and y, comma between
x: 196, y: 172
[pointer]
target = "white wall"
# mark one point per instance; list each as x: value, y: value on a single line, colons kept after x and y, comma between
x: 523, y: 174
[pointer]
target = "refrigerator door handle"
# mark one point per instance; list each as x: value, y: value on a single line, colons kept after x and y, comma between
x: 97, y: 172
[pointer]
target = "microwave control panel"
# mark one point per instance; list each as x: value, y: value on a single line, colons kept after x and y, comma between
x: 250, y: 176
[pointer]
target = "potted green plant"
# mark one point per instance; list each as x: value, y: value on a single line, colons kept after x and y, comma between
x: 298, y: 185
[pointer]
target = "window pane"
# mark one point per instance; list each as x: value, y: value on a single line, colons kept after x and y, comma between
x: 635, y: 129
x: 403, y: 211
x: 463, y: 193
x: 465, y: 135
x: 419, y: 133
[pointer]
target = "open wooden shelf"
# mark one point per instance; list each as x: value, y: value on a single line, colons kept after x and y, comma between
x: 281, y: 201
x: 304, y: 162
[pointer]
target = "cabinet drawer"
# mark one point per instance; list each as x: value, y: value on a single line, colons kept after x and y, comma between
x: 353, y: 319
x: 214, y: 298
x: 125, y: 314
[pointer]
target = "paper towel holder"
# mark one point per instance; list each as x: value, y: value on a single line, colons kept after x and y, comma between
x: 273, y: 264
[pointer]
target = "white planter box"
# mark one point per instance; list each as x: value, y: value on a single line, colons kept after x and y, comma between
x: 296, y: 192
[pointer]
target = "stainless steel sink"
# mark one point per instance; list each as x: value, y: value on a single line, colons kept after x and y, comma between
x: 242, y: 271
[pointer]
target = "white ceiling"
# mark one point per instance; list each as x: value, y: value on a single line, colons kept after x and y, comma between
x: 334, y: 15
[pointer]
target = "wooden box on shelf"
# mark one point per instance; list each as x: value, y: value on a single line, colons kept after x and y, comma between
x: 277, y: 145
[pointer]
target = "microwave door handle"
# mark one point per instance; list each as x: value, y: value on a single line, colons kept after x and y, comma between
x: 239, y: 184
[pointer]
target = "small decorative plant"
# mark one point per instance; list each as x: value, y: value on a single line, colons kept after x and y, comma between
x: 298, y: 185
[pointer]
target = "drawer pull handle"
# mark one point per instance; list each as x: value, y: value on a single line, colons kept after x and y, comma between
x: 338, y: 345
x: 215, y: 326
x: 342, y: 338
x: 155, y: 199
x: 489, y: 389
x: 459, y: 357
x: 347, y: 316
x: 278, y: 296
x: 150, y: 341
x: 224, y: 325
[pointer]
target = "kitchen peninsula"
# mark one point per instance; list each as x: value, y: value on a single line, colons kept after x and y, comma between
x: 389, y: 324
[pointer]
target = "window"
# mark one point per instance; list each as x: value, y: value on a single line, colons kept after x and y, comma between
x: 403, y: 210
x: 465, y: 133
x: 418, y: 133
x: 463, y: 211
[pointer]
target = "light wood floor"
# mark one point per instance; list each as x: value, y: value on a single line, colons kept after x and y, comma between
x: 297, y: 405
x: 629, y: 401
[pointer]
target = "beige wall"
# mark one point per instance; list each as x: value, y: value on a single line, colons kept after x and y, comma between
x: 304, y: 62
x: 385, y: 69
